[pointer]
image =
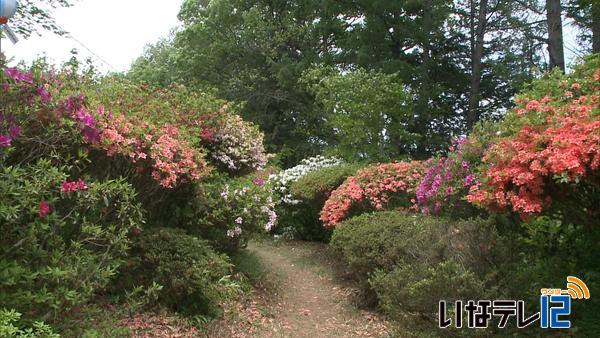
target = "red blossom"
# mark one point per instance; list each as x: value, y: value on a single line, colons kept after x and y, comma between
x: 44, y: 209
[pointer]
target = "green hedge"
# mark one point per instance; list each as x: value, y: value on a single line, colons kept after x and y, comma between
x: 312, y: 190
x: 409, y: 262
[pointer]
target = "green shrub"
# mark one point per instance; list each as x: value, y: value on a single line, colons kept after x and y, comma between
x: 9, y: 328
x: 191, y: 274
x: 301, y: 221
x: 420, y: 287
x: 228, y: 211
x: 385, y: 241
x: 316, y: 186
x: 58, y: 248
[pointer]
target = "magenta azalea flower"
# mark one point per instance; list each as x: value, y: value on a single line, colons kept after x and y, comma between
x: 14, y: 131
x: 44, y: 209
x: 19, y: 76
x: 5, y: 141
x: 44, y: 95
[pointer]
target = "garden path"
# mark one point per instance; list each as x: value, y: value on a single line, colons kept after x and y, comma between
x: 308, y: 300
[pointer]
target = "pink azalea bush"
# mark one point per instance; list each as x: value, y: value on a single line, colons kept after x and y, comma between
x: 376, y: 187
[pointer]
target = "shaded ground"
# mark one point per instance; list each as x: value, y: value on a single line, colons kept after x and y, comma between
x: 305, y: 301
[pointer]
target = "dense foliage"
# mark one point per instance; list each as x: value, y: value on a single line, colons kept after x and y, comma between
x: 90, y: 165
x: 402, y: 249
x: 228, y: 212
x: 189, y: 271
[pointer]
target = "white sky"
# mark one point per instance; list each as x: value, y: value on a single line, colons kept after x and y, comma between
x: 115, y: 30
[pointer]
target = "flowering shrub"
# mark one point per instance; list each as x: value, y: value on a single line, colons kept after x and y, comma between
x: 237, y: 145
x: 60, y: 247
x: 173, y: 160
x: 280, y: 183
x: 171, y: 157
x: 555, y: 148
x: 447, y: 181
x: 228, y: 211
x: 376, y: 187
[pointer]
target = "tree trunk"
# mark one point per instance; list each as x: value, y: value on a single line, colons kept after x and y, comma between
x: 596, y: 27
x: 425, y: 88
x: 477, y: 42
x: 555, y: 35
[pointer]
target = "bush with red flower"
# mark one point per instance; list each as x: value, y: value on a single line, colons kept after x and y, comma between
x: 63, y: 238
x: 377, y: 187
x: 549, y: 147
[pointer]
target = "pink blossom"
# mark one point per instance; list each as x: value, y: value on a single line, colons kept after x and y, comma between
x: 5, y: 141
x: 258, y: 181
x: 207, y: 135
x: 44, y: 95
x: 44, y: 209
x: 14, y: 131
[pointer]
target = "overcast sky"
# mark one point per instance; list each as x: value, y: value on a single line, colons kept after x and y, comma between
x: 115, y: 30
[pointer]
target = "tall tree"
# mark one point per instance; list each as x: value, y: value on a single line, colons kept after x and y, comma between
x: 586, y: 14
x: 478, y: 30
x: 555, y: 34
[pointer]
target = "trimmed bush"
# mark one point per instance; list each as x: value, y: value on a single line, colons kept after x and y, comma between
x: 316, y: 186
x: 386, y: 241
x: 311, y: 191
x: 420, y: 287
x: 187, y: 268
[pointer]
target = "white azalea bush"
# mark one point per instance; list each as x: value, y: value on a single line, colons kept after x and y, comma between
x: 229, y: 211
x: 280, y: 183
x: 237, y: 145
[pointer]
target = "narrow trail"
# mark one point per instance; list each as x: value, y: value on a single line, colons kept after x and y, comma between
x: 309, y: 301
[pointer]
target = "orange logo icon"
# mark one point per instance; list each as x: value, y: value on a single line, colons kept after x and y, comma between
x: 577, y: 288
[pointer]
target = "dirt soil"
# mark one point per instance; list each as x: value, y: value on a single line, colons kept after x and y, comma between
x: 308, y: 300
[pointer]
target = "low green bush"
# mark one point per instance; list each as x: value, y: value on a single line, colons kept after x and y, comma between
x: 315, y: 187
x: 192, y: 275
x: 374, y: 245
x: 301, y: 221
x: 420, y: 287
x: 10, y: 328
x: 62, y: 240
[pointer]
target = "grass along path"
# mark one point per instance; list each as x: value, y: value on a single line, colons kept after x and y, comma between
x: 306, y: 299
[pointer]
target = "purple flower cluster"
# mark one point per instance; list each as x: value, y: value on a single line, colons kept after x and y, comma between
x: 431, y: 182
x: 446, y: 180
x: 19, y: 76
x: 87, y: 124
x: 14, y: 131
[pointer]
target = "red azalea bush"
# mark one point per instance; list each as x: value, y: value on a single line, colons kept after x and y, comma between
x: 554, y: 149
x: 376, y: 187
